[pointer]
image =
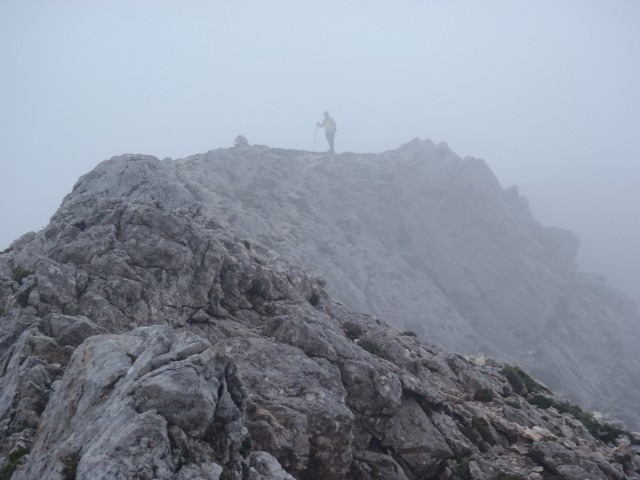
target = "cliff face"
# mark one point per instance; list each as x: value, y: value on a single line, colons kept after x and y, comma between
x: 145, y: 333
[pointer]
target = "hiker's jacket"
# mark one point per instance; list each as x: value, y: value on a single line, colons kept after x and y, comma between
x: 329, y: 125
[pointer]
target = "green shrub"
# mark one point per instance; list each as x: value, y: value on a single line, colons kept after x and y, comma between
x: 573, y: 409
x: 462, y: 471
x: 226, y: 475
x: 513, y: 403
x: 509, y: 476
x: 602, y: 431
x: 541, y: 401
x: 370, y: 346
x: 425, y: 405
x: 623, y: 459
x: 70, y: 467
x: 409, y: 333
x: 23, y: 297
x: 607, y: 433
x: 519, y: 380
x: 469, y: 432
x: 483, y: 429
x: 247, y: 446
x: 453, y: 363
x: 483, y: 394
x: 6, y: 472
x: 352, y: 330
x: 314, y: 299
x: 514, y: 379
x: 19, y: 274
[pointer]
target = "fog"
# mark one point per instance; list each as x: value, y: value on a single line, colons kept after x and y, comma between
x: 546, y: 92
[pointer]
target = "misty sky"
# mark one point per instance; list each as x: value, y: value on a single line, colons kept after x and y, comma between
x: 547, y: 92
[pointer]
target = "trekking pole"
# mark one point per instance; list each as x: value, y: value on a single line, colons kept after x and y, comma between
x: 314, y: 139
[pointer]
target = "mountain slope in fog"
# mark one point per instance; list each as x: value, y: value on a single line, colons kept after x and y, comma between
x: 430, y: 242
x: 139, y: 339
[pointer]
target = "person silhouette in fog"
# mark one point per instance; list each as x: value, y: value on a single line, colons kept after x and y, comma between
x: 330, y: 129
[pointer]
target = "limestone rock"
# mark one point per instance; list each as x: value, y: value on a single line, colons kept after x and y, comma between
x: 428, y: 241
x: 110, y: 414
x: 264, y: 467
x: 145, y: 334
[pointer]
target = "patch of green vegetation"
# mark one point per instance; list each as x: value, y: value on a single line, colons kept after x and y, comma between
x: 513, y: 403
x: 512, y: 374
x: 555, y: 476
x: 23, y: 297
x: 226, y: 475
x: 602, y: 431
x: 483, y: 429
x: 352, y: 330
x: 19, y: 274
x: 370, y: 346
x: 573, y: 409
x: 247, y: 446
x: 425, y: 405
x: 610, y: 433
x: 520, y: 381
x: 541, y: 401
x: 469, y: 432
x: 70, y: 467
x: 509, y: 476
x: 453, y: 364
x: 13, y: 460
x: 483, y: 394
x: 623, y: 459
x: 409, y: 333
x: 314, y: 299
x: 462, y: 471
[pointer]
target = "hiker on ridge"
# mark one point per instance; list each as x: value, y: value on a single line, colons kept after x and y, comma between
x: 330, y: 129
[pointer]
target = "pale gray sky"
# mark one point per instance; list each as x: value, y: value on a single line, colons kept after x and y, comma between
x: 547, y: 92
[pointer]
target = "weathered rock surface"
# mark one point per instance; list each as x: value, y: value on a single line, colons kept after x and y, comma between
x: 138, y: 339
x: 433, y: 244
x: 420, y: 237
x: 141, y: 405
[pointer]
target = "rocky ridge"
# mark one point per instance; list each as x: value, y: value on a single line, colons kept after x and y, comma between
x: 432, y: 243
x: 139, y: 339
x: 422, y: 238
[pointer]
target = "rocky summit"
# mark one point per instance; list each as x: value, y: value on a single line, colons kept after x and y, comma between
x: 160, y: 327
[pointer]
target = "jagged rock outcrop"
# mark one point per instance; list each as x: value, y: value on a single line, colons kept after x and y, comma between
x: 139, y: 339
x: 420, y: 237
x: 137, y: 405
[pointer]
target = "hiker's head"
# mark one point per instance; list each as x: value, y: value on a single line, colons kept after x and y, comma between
x: 326, y: 114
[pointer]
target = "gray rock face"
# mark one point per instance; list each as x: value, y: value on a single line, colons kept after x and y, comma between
x: 418, y: 236
x: 140, y: 405
x: 264, y: 467
x: 139, y: 339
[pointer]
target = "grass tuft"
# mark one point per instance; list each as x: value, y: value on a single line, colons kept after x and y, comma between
x: 13, y: 460
x: 520, y: 381
x: 483, y: 394
x: 19, y: 274
x: 409, y: 333
x: 370, y: 346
